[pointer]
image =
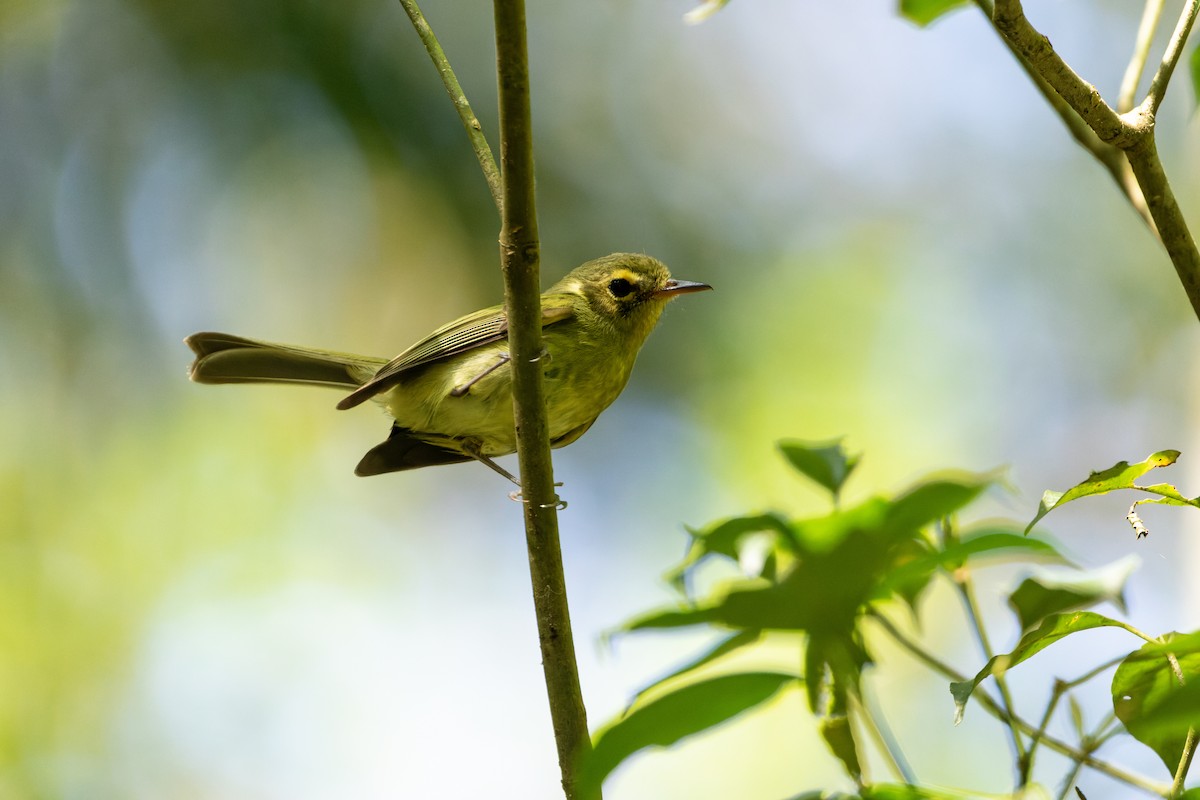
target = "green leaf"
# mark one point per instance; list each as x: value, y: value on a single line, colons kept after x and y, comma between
x: 1119, y: 476
x: 924, y: 12
x: 665, y: 720
x: 835, y: 730
x: 724, y: 538
x: 1050, y: 591
x: 985, y: 541
x: 936, y: 499
x: 1149, y: 701
x: 1050, y: 631
x: 901, y: 791
x: 722, y: 648
x: 671, y: 618
x: 825, y: 463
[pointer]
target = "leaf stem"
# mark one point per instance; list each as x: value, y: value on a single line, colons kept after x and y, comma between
x: 871, y: 717
x: 483, y: 152
x: 519, y: 256
x: 992, y: 707
x: 966, y: 590
x: 1185, y: 762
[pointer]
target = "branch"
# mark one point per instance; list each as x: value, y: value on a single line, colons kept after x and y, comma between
x: 519, y: 258
x: 483, y: 153
x: 1141, y: 51
x: 1009, y: 18
x: 1131, y: 132
x: 1110, y: 157
x: 1158, y: 85
x: 1172, y: 227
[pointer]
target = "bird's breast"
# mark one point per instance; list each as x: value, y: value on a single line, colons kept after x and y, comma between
x: 470, y: 396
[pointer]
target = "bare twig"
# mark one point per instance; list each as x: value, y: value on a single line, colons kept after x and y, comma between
x: 1141, y: 51
x: 1125, y: 145
x: 483, y: 153
x: 1172, y: 228
x: 1083, y: 97
x: 1158, y: 85
x: 519, y: 255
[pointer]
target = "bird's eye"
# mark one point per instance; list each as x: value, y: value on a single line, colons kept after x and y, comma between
x: 620, y: 287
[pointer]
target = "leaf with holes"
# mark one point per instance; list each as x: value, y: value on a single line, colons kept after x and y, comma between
x: 1151, y: 703
x: 1119, y: 476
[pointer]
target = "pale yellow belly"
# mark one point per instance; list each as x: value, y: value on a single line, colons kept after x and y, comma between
x: 577, y: 390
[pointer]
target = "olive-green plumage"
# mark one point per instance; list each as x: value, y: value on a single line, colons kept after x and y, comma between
x: 450, y: 394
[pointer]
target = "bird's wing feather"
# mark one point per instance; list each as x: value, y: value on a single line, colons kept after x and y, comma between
x: 462, y: 335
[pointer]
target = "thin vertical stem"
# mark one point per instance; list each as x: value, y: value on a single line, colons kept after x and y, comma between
x: 1141, y: 51
x: 483, y: 152
x: 519, y: 255
x: 966, y: 589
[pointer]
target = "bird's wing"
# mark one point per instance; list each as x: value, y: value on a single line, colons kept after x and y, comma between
x: 462, y: 335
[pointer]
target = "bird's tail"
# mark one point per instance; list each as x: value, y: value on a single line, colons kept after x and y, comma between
x: 225, y: 358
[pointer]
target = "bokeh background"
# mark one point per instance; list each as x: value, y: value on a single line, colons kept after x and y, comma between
x: 197, y: 597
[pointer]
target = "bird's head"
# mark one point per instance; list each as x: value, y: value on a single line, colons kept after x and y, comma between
x: 624, y: 293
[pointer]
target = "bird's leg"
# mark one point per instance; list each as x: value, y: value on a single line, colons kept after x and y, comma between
x: 459, y: 391
x: 471, y: 448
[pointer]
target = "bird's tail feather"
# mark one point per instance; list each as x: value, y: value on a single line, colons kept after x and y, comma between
x: 225, y: 358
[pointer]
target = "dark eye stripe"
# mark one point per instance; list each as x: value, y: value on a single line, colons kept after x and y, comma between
x: 619, y: 287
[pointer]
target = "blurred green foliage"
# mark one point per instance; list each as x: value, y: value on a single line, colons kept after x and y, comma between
x: 947, y: 287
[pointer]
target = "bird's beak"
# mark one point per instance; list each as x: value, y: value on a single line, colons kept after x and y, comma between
x: 674, y: 287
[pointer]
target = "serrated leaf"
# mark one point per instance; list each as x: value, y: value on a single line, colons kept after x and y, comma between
x: 665, y: 720
x: 721, y: 648
x: 1119, y: 476
x: 1050, y: 631
x: 1150, y: 702
x: 924, y: 12
x: 826, y: 463
x: 1048, y: 591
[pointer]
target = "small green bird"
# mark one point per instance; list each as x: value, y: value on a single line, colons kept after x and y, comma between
x: 450, y: 394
